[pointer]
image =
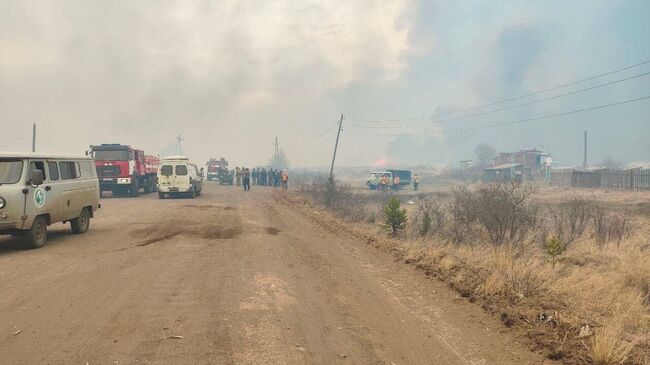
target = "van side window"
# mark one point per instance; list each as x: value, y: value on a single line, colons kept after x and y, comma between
x: 68, y: 170
x: 181, y: 170
x: 37, y: 165
x: 86, y: 169
x: 53, y: 168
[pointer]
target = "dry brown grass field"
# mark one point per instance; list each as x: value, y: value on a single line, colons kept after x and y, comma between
x: 569, y: 269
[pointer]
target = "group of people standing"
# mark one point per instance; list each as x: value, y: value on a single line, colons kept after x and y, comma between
x: 384, y: 183
x: 262, y: 177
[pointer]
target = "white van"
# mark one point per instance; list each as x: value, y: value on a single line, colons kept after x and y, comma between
x: 37, y: 190
x: 178, y: 176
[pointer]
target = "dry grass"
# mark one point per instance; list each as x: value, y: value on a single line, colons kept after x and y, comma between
x: 602, y: 285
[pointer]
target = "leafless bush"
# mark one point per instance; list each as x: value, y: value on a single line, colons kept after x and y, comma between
x: 503, y: 211
x: 568, y: 220
x: 340, y: 199
x: 620, y: 227
x: 506, y: 212
x: 610, y: 226
x: 429, y: 217
x: 462, y: 214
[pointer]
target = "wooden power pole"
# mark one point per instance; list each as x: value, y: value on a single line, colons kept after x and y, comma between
x: 336, y: 145
x: 34, y: 137
x: 584, y: 161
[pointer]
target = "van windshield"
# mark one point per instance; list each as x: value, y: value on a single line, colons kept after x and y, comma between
x: 166, y: 170
x: 10, y: 171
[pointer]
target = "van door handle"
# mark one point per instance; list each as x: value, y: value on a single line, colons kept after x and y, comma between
x: 48, y: 188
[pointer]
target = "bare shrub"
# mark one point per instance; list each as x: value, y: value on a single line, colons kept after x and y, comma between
x: 429, y: 218
x: 506, y: 213
x: 568, y: 220
x: 619, y: 227
x: 600, y: 220
x: 610, y: 226
x: 463, y: 214
x: 336, y: 197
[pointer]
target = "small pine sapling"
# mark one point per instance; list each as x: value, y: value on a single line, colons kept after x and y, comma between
x: 554, y: 249
x: 395, y: 217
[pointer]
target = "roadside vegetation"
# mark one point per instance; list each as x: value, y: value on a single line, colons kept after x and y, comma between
x: 572, y: 274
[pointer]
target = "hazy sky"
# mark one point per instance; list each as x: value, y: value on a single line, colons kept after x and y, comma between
x: 231, y: 75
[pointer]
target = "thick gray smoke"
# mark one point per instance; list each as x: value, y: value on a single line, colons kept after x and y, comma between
x: 229, y: 76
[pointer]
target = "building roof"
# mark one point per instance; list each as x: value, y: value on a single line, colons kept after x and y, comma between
x: 638, y: 165
x: 42, y: 155
x: 175, y: 158
x: 504, y: 166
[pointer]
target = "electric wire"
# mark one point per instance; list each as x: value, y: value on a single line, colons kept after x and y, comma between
x: 470, y: 116
x: 511, y: 123
x: 427, y: 116
x: 326, y: 130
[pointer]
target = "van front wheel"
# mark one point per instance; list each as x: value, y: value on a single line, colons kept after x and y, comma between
x: 38, y: 233
x: 81, y: 223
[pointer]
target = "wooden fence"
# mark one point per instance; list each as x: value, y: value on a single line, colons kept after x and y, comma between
x: 633, y: 179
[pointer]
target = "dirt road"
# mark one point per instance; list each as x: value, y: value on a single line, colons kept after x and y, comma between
x: 230, y: 278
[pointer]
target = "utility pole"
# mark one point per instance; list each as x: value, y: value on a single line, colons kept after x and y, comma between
x: 338, y: 134
x: 276, y: 154
x: 584, y: 161
x: 34, y: 137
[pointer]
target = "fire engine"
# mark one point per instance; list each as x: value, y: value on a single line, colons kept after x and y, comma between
x: 214, y: 166
x: 124, y: 170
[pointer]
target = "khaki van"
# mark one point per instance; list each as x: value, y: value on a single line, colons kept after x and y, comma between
x: 37, y: 190
x: 178, y: 176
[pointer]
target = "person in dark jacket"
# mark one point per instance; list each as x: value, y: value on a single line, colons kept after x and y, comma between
x: 276, y: 178
x: 246, y: 178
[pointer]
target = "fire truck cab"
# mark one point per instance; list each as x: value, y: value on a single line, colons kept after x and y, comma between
x: 123, y: 170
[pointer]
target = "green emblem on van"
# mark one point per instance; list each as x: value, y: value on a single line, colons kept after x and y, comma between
x: 39, y: 198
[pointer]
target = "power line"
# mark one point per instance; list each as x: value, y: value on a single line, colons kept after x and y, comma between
x: 327, y: 138
x: 503, y: 100
x: 326, y: 130
x: 509, y: 107
x: 515, y: 122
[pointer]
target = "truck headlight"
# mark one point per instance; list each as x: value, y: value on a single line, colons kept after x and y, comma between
x: 2, y: 203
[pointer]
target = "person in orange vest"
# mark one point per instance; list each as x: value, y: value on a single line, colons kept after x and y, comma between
x: 396, y: 183
x: 416, y: 182
x: 383, y: 182
x: 285, y: 179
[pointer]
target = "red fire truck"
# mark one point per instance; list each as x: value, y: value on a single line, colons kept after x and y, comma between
x: 214, y: 166
x: 124, y: 170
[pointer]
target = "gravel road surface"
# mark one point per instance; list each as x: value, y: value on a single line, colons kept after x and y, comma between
x: 230, y: 278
